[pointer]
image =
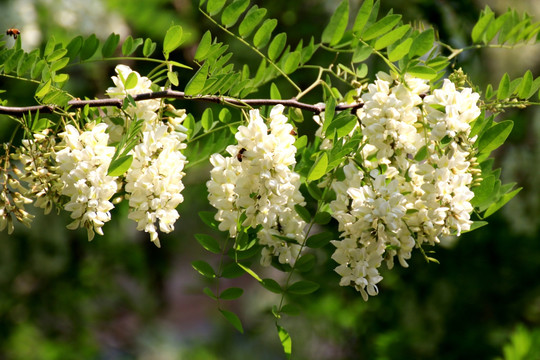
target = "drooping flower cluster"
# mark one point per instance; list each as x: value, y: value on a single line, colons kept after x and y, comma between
x: 413, y: 185
x: 257, y: 180
x: 83, y: 164
x: 153, y: 182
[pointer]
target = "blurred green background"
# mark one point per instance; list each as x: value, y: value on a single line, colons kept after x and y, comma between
x: 119, y: 297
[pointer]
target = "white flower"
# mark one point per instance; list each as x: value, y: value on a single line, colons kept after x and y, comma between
x: 154, y: 181
x: 256, y: 179
x: 83, y: 165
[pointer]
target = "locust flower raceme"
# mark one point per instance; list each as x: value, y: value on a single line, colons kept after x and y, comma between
x: 83, y: 165
x: 258, y: 180
x: 397, y: 198
x: 154, y: 180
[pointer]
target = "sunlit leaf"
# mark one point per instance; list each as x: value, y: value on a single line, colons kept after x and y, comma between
x: 263, y: 35
x: 381, y: 27
x: 391, y: 37
x: 363, y: 16
x: 333, y: 32
x: 196, y: 83
x: 318, y: 169
x: 495, y: 136
x: 120, y: 166
x: 233, y: 11
x: 253, y: 17
x: 286, y: 341
x: 173, y: 39
x: 276, y: 46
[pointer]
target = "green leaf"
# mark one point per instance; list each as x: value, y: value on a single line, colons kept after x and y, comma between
x: 233, y: 319
x: 481, y: 26
x: 173, y: 39
x: 329, y: 112
x: 400, y: 51
x: 263, y: 35
x: 271, y: 285
x: 494, y: 136
x: 131, y: 81
x: 343, y: 124
x: 224, y: 115
x: 319, y: 240
x: 291, y: 62
x: 322, y: 218
x: 214, y: 6
x: 207, y: 119
x: 303, y: 287
x: 422, y: 72
x: 285, y: 340
x: 423, y: 43
x: 110, y: 45
x: 118, y: 167
x: 250, y: 272
x: 196, y: 83
x: 485, y: 192
x: 526, y: 85
x: 253, y: 17
x: 49, y: 47
x: 210, y: 293
x: 504, y: 87
x: 37, y: 69
x: 305, y: 263
x: 74, y: 47
x: 231, y: 293
x: 422, y: 154
x: 361, y: 53
x: 333, y: 32
x: 89, y: 47
x: 381, y: 27
x: 149, y: 47
x: 276, y: 46
x: 318, y: 170
x: 233, y: 11
x: 204, y: 268
x: 60, y: 64
x: 391, y: 37
x: 208, y: 218
x: 476, y: 225
x: 208, y: 242
x: 296, y: 115
x: 43, y: 89
x: 204, y: 46
x: 303, y: 212
x: 173, y: 77
x: 501, y: 202
x: 56, y: 55
x: 274, y: 92
x: 363, y: 16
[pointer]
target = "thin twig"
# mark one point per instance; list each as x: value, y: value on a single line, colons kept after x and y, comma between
x: 172, y: 94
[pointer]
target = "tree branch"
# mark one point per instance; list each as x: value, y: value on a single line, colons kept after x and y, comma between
x: 172, y: 94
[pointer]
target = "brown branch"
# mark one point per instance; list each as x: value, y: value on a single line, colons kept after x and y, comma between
x: 172, y: 94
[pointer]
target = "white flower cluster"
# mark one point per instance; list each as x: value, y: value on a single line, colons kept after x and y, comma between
x: 257, y: 180
x: 153, y: 183
x: 413, y: 185
x: 83, y: 165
